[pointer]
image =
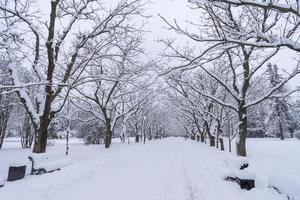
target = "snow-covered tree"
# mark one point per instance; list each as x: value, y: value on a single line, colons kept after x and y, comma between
x: 116, y: 82
x: 6, y: 100
x: 280, y: 120
x: 26, y: 132
x: 219, y: 24
x: 274, y: 35
x: 53, y: 48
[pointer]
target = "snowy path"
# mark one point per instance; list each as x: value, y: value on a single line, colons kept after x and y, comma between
x: 172, y: 169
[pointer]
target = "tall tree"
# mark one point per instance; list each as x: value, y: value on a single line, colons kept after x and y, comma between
x: 280, y: 119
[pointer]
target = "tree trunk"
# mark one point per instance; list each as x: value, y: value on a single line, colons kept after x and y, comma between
x: 40, y: 143
x: 193, y: 137
x: 242, y: 110
x: 241, y: 142
x: 207, y: 128
x: 199, y: 129
x: 137, y: 138
x: 281, y: 131
x: 2, y: 134
x: 3, y: 125
x: 202, y: 137
x: 221, y: 144
x: 26, y: 133
x: 212, y: 142
x: 108, y: 135
x: 218, y: 134
x: 123, y: 138
x: 42, y: 134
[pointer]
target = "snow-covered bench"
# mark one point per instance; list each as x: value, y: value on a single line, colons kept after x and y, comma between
x: 35, y: 164
x: 245, y: 179
x: 47, y: 163
x: 16, y: 173
x: 36, y: 169
x: 241, y: 175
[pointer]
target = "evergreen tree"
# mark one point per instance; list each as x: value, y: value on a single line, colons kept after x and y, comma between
x: 280, y: 120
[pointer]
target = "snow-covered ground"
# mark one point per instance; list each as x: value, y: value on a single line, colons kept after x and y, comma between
x: 169, y: 169
x: 278, y: 162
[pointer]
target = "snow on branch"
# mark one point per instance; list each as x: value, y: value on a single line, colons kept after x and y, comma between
x: 271, y: 94
x: 268, y: 4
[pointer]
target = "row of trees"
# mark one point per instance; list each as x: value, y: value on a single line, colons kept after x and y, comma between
x: 219, y: 75
x: 203, y: 117
x: 84, y: 68
x: 85, y: 62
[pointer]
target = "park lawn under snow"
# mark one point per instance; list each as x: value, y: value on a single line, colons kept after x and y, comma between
x: 277, y: 163
x: 169, y: 169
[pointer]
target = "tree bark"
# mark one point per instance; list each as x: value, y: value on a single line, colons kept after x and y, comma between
x: 212, y: 142
x: 4, y: 116
x: 202, y: 137
x: 242, y: 110
x: 137, y: 138
x: 108, y: 135
x: 281, y: 131
x: 2, y: 131
x: 221, y: 144
x: 218, y: 134
x: 198, y: 128
x: 241, y: 142
x: 40, y: 142
x: 26, y: 133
